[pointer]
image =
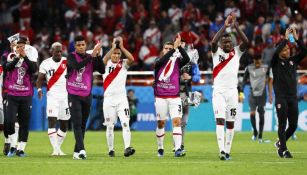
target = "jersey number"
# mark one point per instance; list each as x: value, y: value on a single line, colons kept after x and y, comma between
x: 111, y: 69
x: 221, y: 58
x: 233, y: 112
x: 51, y: 72
x: 127, y: 112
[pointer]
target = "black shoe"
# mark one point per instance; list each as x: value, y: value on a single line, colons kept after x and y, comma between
x: 287, y: 154
x: 6, y: 148
x: 160, y: 152
x: 227, y: 156
x: 182, y: 148
x: 222, y: 155
x: 112, y: 153
x: 129, y: 151
x: 20, y: 153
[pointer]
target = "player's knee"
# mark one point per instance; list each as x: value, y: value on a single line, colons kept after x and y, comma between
x: 161, y: 124
x: 252, y: 113
x: 125, y: 124
x: 260, y: 111
x: 230, y: 124
x: 110, y: 127
x: 220, y: 121
x: 176, y: 122
x: 52, y: 122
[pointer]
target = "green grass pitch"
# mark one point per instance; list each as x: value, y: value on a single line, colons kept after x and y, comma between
x: 248, y: 157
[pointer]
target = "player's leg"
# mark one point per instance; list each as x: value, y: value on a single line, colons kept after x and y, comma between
x: 252, y: 105
x: 76, y: 118
x: 124, y: 116
x: 85, y: 108
x: 10, y: 118
x: 24, y: 124
x: 64, y: 116
x: 292, y: 117
x: 231, y: 113
x: 281, y: 109
x: 261, y: 112
x: 184, y: 120
x: 162, y: 111
x: 110, y: 118
x: 175, y: 111
x: 52, y: 113
x: 219, y: 109
x: 6, y: 147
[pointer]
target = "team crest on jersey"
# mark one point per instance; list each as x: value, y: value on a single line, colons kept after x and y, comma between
x: 278, y: 106
x: 291, y: 63
x: 50, y: 111
x: 282, y: 63
x: 63, y: 66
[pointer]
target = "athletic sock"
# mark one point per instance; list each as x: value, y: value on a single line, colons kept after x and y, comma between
x: 110, y: 137
x: 220, y: 135
x: 160, y: 137
x: 177, y: 136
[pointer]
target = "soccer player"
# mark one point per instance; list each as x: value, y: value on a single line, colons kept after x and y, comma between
x: 19, y: 97
x: 167, y: 89
x: 226, y: 59
x: 80, y: 67
x: 115, y: 102
x: 285, y: 87
x: 257, y: 73
x: 54, y: 71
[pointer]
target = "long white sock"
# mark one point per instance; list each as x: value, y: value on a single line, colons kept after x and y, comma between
x: 21, y: 146
x: 61, y: 137
x: 229, y: 137
x: 110, y: 137
x: 16, y: 134
x: 177, y: 136
x: 53, y: 138
x: 160, y: 137
x: 13, y: 140
x: 220, y: 134
x: 126, y: 134
x: 6, y: 140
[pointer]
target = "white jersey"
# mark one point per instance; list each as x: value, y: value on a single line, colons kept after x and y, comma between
x: 49, y: 67
x: 225, y: 68
x: 117, y: 84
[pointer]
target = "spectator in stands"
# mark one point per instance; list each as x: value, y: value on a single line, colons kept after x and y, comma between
x: 148, y: 54
x: 153, y: 33
x: 133, y: 101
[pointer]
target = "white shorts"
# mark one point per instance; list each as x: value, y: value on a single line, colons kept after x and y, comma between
x: 58, y: 107
x: 114, y: 107
x: 168, y: 107
x: 225, y: 104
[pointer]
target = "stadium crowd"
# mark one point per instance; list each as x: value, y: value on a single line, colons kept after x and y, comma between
x: 146, y: 24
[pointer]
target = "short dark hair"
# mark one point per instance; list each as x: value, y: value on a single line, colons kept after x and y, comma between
x: 79, y: 38
x: 168, y: 43
x: 225, y: 35
x: 22, y: 40
x: 130, y: 90
x: 257, y: 57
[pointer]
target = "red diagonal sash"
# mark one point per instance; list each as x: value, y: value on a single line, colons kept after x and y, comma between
x: 108, y: 80
x: 57, y: 74
x: 220, y: 66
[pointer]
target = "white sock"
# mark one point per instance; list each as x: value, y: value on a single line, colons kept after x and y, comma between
x: 177, y: 136
x: 13, y: 140
x: 160, y: 137
x: 61, y: 136
x: 53, y: 138
x: 21, y: 146
x: 6, y: 140
x: 220, y: 134
x: 15, y: 135
x: 126, y: 134
x: 110, y: 137
x: 229, y: 137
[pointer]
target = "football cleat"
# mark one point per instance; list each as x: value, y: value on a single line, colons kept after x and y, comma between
x: 287, y: 154
x: 160, y: 152
x: 6, y: 148
x: 61, y: 153
x: 227, y: 156
x: 129, y: 151
x: 20, y: 153
x: 222, y: 155
x: 12, y: 152
x: 179, y: 153
x: 111, y: 153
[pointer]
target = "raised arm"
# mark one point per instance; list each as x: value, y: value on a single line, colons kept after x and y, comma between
x: 244, y: 45
x: 218, y: 35
x: 298, y: 58
x: 108, y: 55
x: 125, y: 52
